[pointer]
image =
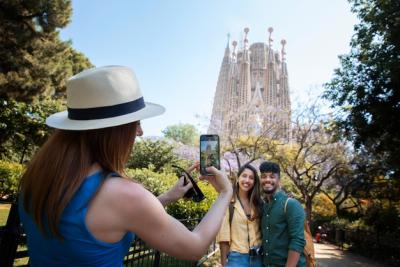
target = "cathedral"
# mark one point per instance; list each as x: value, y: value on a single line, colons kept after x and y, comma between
x: 252, y: 93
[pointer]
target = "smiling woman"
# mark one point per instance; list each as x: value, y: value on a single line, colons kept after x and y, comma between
x: 240, y: 235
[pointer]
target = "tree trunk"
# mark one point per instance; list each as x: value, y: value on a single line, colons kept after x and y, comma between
x: 308, y: 208
x: 21, y: 160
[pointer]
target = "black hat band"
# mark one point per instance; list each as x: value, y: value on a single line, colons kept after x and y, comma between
x: 106, y: 112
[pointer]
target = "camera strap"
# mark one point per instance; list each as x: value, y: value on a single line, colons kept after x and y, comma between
x: 247, y: 221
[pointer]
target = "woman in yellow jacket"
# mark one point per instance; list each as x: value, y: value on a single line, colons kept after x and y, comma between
x: 240, y: 236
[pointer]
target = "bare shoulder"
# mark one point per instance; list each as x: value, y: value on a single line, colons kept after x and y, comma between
x: 123, y: 190
x: 129, y: 198
x: 117, y: 208
x: 133, y: 205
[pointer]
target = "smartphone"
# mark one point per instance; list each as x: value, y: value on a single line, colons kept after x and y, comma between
x: 209, y: 152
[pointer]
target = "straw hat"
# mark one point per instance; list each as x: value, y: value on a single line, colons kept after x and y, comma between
x: 103, y: 97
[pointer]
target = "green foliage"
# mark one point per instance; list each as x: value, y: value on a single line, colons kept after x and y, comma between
x: 340, y: 223
x: 289, y: 187
x: 358, y: 224
x: 23, y: 128
x: 10, y: 174
x: 155, y: 153
x: 182, y: 132
x: 379, y: 216
x: 34, y: 62
x: 157, y: 183
x: 323, y: 208
x: 365, y: 89
x: 184, y: 209
x: 377, y: 186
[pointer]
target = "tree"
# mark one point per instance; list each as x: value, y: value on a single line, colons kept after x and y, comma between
x: 311, y: 160
x: 246, y: 148
x: 23, y: 128
x: 365, y: 90
x: 339, y: 191
x: 148, y: 153
x: 183, y: 132
x: 34, y: 62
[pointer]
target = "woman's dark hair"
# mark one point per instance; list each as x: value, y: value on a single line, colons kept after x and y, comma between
x: 254, y: 194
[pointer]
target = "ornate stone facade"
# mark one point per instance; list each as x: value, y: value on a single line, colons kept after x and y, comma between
x: 252, y: 93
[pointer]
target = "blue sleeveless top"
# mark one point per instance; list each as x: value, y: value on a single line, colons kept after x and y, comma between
x: 79, y: 247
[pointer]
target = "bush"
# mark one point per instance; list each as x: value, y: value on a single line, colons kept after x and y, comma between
x: 359, y: 224
x: 340, y: 223
x: 157, y: 183
x: 10, y: 174
x: 378, y: 216
x: 146, y: 152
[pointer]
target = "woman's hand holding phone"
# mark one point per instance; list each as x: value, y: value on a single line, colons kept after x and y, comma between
x: 218, y: 179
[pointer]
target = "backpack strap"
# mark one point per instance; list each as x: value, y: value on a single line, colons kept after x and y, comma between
x: 231, y: 211
x: 286, y: 202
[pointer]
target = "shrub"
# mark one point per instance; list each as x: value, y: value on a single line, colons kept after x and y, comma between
x: 378, y: 216
x: 158, y: 153
x: 157, y: 183
x: 340, y: 223
x: 10, y: 174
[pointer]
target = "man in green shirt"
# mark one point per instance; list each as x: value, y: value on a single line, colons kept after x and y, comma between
x: 282, y: 228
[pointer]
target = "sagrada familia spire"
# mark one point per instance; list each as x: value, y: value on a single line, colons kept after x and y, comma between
x: 252, y: 93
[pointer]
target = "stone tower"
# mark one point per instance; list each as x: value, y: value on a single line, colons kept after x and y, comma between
x: 252, y: 93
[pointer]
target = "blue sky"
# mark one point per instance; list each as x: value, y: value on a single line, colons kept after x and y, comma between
x: 176, y: 47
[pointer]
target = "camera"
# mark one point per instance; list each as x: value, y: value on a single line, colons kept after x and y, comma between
x: 256, y: 251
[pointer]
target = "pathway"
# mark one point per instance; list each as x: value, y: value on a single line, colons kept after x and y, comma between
x: 330, y: 256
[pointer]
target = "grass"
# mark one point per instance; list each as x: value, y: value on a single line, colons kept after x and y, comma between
x: 4, y: 210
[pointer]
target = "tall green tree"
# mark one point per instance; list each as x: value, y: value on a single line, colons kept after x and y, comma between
x: 183, y: 132
x: 366, y: 88
x: 34, y: 62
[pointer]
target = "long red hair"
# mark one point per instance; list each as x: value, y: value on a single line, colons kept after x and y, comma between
x: 62, y: 163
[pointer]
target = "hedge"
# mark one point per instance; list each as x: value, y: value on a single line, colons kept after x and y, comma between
x: 10, y: 174
x: 157, y: 183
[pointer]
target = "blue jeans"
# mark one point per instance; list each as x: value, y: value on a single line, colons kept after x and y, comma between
x: 236, y: 259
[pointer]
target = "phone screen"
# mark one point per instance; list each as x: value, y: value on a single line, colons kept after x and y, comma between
x: 209, y: 152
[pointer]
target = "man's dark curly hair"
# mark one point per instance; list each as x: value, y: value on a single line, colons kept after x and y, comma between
x: 268, y: 166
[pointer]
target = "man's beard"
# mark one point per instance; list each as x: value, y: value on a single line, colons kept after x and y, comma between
x: 270, y: 191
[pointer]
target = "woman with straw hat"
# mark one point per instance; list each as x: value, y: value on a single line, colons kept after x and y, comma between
x: 77, y: 206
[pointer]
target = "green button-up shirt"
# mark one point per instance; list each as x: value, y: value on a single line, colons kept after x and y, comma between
x: 282, y: 231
